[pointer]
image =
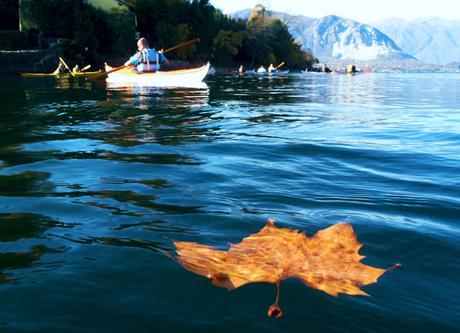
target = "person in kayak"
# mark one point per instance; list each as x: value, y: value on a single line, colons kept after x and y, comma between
x: 60, y: 68
x: 146, y: 59
x: 261, y: 69
x: 325, y: 69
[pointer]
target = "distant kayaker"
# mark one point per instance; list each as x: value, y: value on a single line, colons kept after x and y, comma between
x: 271, y: 68
x: 351, y: 69
x: 241, y: 69
x: 147, y: 59
x: 60, y: 68
x: 325, y: 69
x: 261, y: 70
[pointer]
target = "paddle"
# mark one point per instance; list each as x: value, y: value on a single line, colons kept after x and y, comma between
x: 75, y: 70
x: 103, y: 74
x: 279, y: 65
x: 181, y: 45
x: 85, y: 68
x: 65, y: 65
x: 115, y: 69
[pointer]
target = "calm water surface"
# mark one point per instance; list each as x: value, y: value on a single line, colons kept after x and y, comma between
x: 95, y: 181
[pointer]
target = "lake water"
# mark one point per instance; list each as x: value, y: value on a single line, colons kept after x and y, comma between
x: 96, y: 181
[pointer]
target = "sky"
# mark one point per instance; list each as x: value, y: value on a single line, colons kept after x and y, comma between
x: 364, y: 11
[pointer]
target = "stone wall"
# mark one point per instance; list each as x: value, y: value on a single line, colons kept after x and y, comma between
x: 29, y: 61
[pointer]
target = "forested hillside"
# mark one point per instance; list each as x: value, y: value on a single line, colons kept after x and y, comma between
x: 94, y: 35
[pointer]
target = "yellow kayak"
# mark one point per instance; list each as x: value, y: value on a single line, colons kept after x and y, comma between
x: 87, y: 74
x: 61, y: 75
x: 45, y: 75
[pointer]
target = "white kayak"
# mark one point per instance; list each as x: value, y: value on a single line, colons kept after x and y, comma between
x: 174, y: 78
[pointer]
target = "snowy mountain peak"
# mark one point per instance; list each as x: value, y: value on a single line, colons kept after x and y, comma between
x: 336, y: 37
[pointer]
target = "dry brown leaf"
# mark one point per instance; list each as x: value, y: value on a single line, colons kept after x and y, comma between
x: 328, y: 261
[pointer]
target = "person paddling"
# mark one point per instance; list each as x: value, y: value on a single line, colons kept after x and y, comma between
x: 147, y: 59
x: 60, y: 68
x: 261, y: 69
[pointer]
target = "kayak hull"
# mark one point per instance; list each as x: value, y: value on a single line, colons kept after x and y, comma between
x: 277, y: 72
x: 62, y: 75
x: 176, y: 78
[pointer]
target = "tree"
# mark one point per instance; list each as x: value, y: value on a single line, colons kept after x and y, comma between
x: 92, y: 35
x: 226, y: 45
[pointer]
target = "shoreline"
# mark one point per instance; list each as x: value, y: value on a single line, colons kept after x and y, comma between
x: 29, y: 60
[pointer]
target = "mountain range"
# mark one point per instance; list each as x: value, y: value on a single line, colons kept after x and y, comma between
x: 431, y: 40
x: 334, y: 38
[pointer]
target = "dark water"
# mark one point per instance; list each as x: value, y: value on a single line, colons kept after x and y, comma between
x: 95, y: 182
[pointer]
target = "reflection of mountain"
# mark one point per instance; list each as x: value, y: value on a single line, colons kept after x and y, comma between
x: 432, y: 40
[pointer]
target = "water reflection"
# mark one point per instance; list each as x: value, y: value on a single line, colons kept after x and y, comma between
x: 131, y: 203
x: 182, y: 85
x: 27, y: 183
x: 15, y: 226
x: 192, y: 96
x: 63, y: 88
x: 259, y: 90
x: 160, y: 115
x: 298, y: 88
x: 16, y: 231
x: 18, y: 260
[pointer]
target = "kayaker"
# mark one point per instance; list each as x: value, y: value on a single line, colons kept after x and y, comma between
x: 271, y: 68
x: 60, y: 68
x: 261, y: 69
x: 147, y: 59
x: 241, y: 69
x: 351, y: 69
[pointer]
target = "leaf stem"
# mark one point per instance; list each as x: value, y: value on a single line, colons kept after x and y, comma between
x: 274, y: 310
x: 277, y: 293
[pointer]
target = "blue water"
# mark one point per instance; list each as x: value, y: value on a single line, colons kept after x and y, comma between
x: 96, y: 181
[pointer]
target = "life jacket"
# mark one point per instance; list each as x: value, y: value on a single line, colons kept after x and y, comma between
x: 149, y: 62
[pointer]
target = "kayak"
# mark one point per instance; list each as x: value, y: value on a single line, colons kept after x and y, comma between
x: 58, y: 75
x: 266, y: 73
x: 61, y: 75
x: 87, y: 74
x: 174, y: 78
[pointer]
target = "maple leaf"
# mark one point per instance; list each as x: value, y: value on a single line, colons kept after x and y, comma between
x: 328, y: 261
